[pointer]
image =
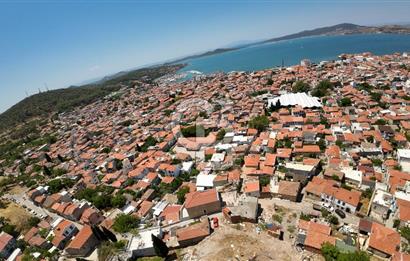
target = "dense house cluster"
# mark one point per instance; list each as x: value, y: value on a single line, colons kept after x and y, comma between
x: 334, y: 135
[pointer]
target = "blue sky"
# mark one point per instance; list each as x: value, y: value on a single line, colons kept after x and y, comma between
x: 57, y: 44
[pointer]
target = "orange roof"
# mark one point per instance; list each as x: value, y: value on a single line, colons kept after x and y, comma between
x: 270, y: 159
x: 199, y: 198
x: 315, y: 239
x: 252, y: 186
x: 308, y: 149
x: 384, y: 239
x: 252, y: 160
x: 81, y: 238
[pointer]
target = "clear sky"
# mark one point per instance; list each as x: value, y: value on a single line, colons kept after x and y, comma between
x: 57, y: 44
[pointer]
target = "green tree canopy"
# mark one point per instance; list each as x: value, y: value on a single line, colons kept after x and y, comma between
x: 259, y: 122
x: 125, y: 223
x: 300, y: 86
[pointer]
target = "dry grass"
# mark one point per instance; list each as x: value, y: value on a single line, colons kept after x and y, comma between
x: 16, y: 215
x: 15, y: 190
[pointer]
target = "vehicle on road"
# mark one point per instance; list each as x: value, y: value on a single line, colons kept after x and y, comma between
x: 340, y: 213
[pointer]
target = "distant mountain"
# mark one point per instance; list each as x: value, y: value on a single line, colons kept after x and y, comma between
x: 216, y: 51
x: 339, y: 29
x: 343, y: 29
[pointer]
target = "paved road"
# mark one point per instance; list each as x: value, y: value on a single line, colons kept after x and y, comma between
x: 22, y: 200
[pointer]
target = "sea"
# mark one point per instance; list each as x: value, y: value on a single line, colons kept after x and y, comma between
x: 316, y: 49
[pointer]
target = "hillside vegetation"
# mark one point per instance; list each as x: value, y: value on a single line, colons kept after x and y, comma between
x: 60, y: 100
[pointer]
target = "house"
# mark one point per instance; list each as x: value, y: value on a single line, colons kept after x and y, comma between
x: 382, y: 205
x: 299, y: 172
x: 205, y: 181
x: 193, y: 234
x: 144, y: 212
x: 74, y: 211
x: 312, y: 236
x: 7, y: 244
x: 342, y: 198
x: 403, y: 157
x: 199, y: 203
x: 353, y: 177
x: 246, y: 210
x: 141, y: 245
x: 316, y: 187
x: 289, y: 190
x: 83, y: 243
x: 64, y: 231
x: 252, y: 188
x: 169, y: 170
x: 383, y: 241
x: 91, y: 216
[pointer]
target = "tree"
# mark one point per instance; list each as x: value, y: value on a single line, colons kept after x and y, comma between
x: 259, y: 122
x: 125, y: 223
x: 322, y: 89
x: 345, y: 102
x: 118, y: 201
x: 160, y: 247
x: 329, y: 251
x: 322, y: 144
x: 380, y: 122
x: 110, y: 235
x: 264, y: 180
x: 33, y: 221
x: 221, y: 134
x: 300, y: 86
x: 332, y: 253
x: 181, y: 194
x: 333, y: 219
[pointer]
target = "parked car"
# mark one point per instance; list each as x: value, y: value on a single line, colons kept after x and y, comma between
x: 340, y: 213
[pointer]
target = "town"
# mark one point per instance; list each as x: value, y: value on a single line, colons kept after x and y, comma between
x: 304, y: 162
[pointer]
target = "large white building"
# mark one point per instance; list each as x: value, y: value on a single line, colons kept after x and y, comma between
x: 293, y: 99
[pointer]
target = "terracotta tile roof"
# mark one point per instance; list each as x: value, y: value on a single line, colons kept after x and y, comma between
x: 384, y: 239
x: 251, y: 186
x: 198, y: 198
x: 81, y: 238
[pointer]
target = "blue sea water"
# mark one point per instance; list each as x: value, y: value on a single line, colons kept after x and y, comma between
x: 316, y: 49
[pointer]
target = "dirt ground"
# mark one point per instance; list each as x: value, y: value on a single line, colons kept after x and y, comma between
x: 243, y: 242
x: 16, y: 190
x: 17, y: 215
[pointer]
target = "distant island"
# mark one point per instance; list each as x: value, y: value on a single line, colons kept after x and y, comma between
x: 339, y: 29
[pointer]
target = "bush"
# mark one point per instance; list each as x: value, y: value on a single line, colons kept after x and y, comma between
x: 345, y: 102
x: 221, y: 134
x: 118, y: 201
x: 259, y: 122
x: 181, y: 194
x: 125, y: 223
x: 322, y: 89
x: 332, y: 253
x: 300, y: 86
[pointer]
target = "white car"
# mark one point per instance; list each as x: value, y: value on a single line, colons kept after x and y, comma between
x: 328, y: 206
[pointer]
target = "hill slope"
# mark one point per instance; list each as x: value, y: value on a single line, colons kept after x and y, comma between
x: 59, y: 100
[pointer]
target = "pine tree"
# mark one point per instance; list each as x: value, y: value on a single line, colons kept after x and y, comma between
x: 110, y: 235
x: 160, y: 247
